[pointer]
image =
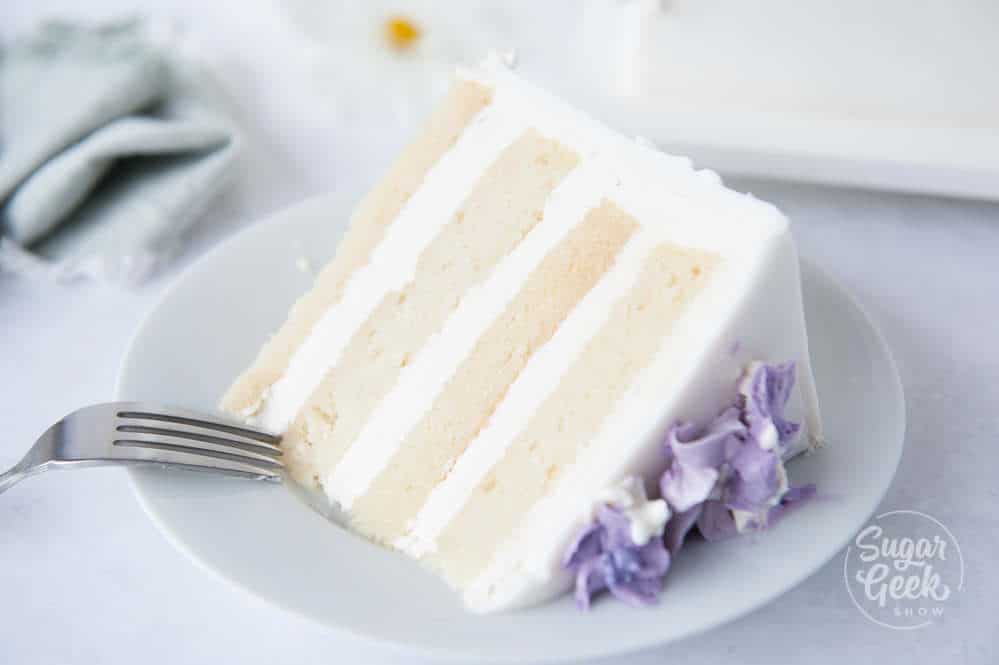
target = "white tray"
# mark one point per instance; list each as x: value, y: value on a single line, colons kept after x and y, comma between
x: 889, y: 94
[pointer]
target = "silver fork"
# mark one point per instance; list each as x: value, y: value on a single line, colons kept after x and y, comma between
x: 133, y: 433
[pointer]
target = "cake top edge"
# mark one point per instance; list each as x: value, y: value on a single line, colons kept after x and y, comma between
x: 636, y: 163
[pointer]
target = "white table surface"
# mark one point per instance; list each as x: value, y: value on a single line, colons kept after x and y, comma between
x: 86, y: 578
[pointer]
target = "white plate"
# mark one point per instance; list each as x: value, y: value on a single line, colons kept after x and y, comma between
x: 262, y: 538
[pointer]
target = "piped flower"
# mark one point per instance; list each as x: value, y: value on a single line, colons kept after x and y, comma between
x: 729, y: 476
x: 726, y: 477
x: 616, y: 553
x: 696, y: 458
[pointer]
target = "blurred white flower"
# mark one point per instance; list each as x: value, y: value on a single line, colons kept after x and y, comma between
x: 386, y: 60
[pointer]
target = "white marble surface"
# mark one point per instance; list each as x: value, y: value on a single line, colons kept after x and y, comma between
x: 86, y: 578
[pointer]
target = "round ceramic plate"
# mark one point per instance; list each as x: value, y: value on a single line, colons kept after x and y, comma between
x: 263, y: 538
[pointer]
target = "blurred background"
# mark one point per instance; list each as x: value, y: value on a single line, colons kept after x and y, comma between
x: 309, y: 95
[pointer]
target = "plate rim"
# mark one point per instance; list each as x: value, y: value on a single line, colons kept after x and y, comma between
x: 276, y: 217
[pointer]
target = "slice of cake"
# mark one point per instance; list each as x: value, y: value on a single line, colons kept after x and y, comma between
x: 530, y: 320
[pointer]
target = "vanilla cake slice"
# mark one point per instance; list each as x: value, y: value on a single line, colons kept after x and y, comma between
x: 519, y: 312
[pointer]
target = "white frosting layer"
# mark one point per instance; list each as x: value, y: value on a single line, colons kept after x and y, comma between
x: 539, y: 379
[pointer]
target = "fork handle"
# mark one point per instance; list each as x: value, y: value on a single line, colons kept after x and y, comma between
x: 14, y: 476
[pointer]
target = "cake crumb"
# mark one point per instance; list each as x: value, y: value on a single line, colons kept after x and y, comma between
x: 304, y: 265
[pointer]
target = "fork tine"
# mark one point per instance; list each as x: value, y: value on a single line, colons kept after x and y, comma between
x: 133, y: 451
x: 169, y: 441
x: 199, y: 435
x: 136, y: 412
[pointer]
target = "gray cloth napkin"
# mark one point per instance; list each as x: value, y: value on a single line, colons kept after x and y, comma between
x: 110, y: 152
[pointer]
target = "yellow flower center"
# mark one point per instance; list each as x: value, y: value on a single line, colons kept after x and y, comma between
x: 401, y: 33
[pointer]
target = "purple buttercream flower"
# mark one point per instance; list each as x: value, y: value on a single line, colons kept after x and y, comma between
x: 678, y: 527
x: 754, y: 478
x: 733, y: 464
x: 715, y: 521
x: 696, y: 457
x: 765, y: 392
x: 604, y: 556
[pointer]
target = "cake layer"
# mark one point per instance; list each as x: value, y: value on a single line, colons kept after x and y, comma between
x: 505, y: 204
x: 464, y: 102
x: 474, y: 390
x: 569, y: 418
